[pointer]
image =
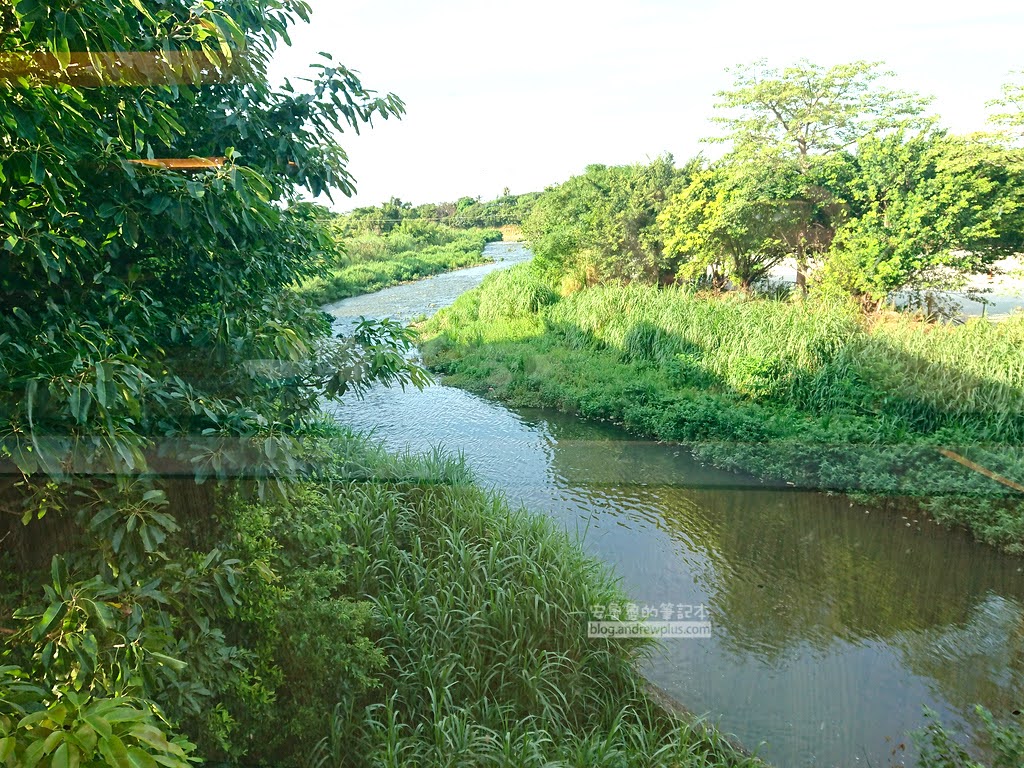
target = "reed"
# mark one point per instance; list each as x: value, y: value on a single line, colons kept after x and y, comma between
x: 481, y: 612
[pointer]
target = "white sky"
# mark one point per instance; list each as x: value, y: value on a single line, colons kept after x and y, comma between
x: 526, y: 94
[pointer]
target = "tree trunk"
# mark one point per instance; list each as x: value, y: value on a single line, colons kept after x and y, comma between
x: 801, y: 268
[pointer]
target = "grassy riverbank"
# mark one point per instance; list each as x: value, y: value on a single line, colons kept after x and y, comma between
x: 480, y: 613
x: 370, y: 262
x: 808, y: 394
x: 392, y: 613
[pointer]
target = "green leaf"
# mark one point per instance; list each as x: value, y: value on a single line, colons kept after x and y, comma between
x: 137, y: 758
x: 51, y: 617
x: 176, y: 664
x: 61, y: 758
x: 79, y: 402
x: 141, y: 7
x: 62, y: 51
x: 38, y: 169
x: 33, y: 755
x: 115, y: 752
x: 152, y: 736
x: 101, y: 384
x: 121, y: 714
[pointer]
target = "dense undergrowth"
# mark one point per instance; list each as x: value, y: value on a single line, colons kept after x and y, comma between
x: 807, y: 393
x: 369, y: 262
x: 390, y: 612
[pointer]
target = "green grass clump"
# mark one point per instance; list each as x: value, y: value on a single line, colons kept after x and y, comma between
x: 802, y: 392
x: 372, y: 262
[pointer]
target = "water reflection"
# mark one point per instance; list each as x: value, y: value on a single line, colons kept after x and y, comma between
x: 832, y: 625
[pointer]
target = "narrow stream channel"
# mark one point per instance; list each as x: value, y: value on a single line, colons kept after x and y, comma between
x: 832, y: 624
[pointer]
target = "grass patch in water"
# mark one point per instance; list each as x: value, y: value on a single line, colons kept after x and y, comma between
x: 799, y: 392
x: 373, y: 262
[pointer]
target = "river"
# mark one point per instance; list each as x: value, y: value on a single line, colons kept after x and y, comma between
x: 832, y: 624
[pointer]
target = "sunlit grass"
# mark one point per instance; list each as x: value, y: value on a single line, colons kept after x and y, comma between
x: 373, y: 262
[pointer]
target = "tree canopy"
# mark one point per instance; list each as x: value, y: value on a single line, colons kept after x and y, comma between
x: 806, y: 109
x: 603, y: 224
x: 147, y: 322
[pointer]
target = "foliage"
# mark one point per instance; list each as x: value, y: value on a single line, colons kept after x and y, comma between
x: 466, y: 213
x: 602, y: 225
x: 481, y: 613
x: 732, y: 221
x: 927, y: 208
x: 806, y: 109
x: 827, y: 166
x: 802, y: 117
x: 1011, y: 119
x: 81, y: 730
x: 938, y: 749
x: 147, y: 324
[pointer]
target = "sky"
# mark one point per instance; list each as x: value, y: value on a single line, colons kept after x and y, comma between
x: 523, y: 95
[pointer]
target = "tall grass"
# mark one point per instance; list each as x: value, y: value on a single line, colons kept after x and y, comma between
x: 480, y: 612
x: 803, y: 392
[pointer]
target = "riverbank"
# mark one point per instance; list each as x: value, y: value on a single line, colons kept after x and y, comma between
x: 795, y: 393
x: 480, y: 611
x: 388, y: 611
x: 372, y: 262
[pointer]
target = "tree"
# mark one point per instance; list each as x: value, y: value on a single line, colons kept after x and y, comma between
x: 602, y: 225
x: 1011, y: 118
x: 926, y: 209
x: 727, y: 223
x: 146, y: 314
x: 803, y: 114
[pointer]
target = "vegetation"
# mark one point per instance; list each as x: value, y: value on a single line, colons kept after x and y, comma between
x: 387, y: 612
x: 415, y: 249
x: 602, y: 225
x: 1012, y: 117
x: 849, y: 179
x: 938, y: 749
x: 827, y: 167
x: 465, y: 213
x: 806, y: 393
x: 194, y: 566
x: 137, y: 309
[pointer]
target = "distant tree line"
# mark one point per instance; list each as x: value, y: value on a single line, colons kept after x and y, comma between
x: 464, y: 213
x: 829, y: 167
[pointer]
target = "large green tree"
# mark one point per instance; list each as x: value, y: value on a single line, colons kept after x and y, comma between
x: 146, y: 322
x: 739, y: 220
x: 927, y: 209
x: 796, y: 118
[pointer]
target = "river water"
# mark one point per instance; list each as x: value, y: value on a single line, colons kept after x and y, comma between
x: 832, y: 624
